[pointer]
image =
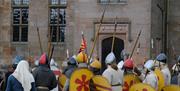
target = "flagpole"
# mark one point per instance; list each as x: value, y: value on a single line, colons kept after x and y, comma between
x: 97, y: 33
x: 115, y: 26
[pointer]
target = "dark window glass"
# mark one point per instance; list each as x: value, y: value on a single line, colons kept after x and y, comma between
x: 25, y: 16
x: 58, y: 16
x: 63, y: 1
x: 24, y: 33
x: 16, y: 32
x: 54, y: 2
x: 25, y: 2
x: 54, y: 16
x: 16, y: 16
x: 20, y: 2
x: 16, y: 2
x: 53, y: 33
x: 58, y: 2
x: 61, y: 33
x: 62, y: 15
x: 20, y: 20
x: 57, y: 21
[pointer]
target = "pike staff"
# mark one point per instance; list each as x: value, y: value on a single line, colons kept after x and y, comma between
x: 102, y: 17
x: 39, y: 38
x: 115, y: 26
x: 139, y: 34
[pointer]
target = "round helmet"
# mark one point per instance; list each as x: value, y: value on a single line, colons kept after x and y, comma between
x: 72, y: 61
x: 110, y: 58
x: 149, y: 64
x: 128, y: 63
x: 124, y: 55
x: 95, y: 64
x: 81, y: 58
x: 120, y: 64
x: 161, y: 58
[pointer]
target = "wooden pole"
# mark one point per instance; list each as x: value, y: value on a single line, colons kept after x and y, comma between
x: 39, y: 38
x: 49, y: 39
x: 114, y: 33
x: 135, y: 43
x: 97, y: 32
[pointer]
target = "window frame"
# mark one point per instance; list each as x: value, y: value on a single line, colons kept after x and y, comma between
x: 20, y: 6
x: 57, y: 25
x: 118, y: 2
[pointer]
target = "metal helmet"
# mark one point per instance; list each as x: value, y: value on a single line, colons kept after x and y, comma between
x: 96, y: 64
x: 128, y: 63
x: 120, y: 64
x: 161, y: 58
x: 72, y: 61
x: 110, y: 58
x: 81, y: 57
x: 124, y: 55
x: 149, y: 65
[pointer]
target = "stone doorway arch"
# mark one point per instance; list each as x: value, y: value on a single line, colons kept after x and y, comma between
x: 106, y: 49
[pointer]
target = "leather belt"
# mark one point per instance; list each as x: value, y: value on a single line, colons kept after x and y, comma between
x: 41, y: 87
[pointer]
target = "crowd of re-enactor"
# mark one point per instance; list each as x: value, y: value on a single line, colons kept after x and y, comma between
x: 45, y: 74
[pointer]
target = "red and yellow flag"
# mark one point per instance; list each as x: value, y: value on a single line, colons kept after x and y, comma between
x: 83, y: 44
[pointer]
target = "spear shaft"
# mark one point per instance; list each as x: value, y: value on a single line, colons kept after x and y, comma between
x: 115, y: 27
x: 94, y: 43
x: 139, y: 34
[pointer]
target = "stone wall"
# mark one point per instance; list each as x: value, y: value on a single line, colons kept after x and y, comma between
x: 81, y: 16
x: 173, y: 29
x: 136, y: 12
x: 5, y: 47
x: 157, y: 27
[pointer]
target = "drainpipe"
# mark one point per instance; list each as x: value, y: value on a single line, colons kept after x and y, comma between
x: 166, y: 27
x: 162, y: 24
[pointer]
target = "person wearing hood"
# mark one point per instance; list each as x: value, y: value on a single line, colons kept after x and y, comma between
x: 162, y: 58
x: 21, y: 79
x: 11, y: 69
x: 56, y: 71
x: 45, y: 79
x: 149, y: 77
x: 112, y: 73
x: 72, y: 65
